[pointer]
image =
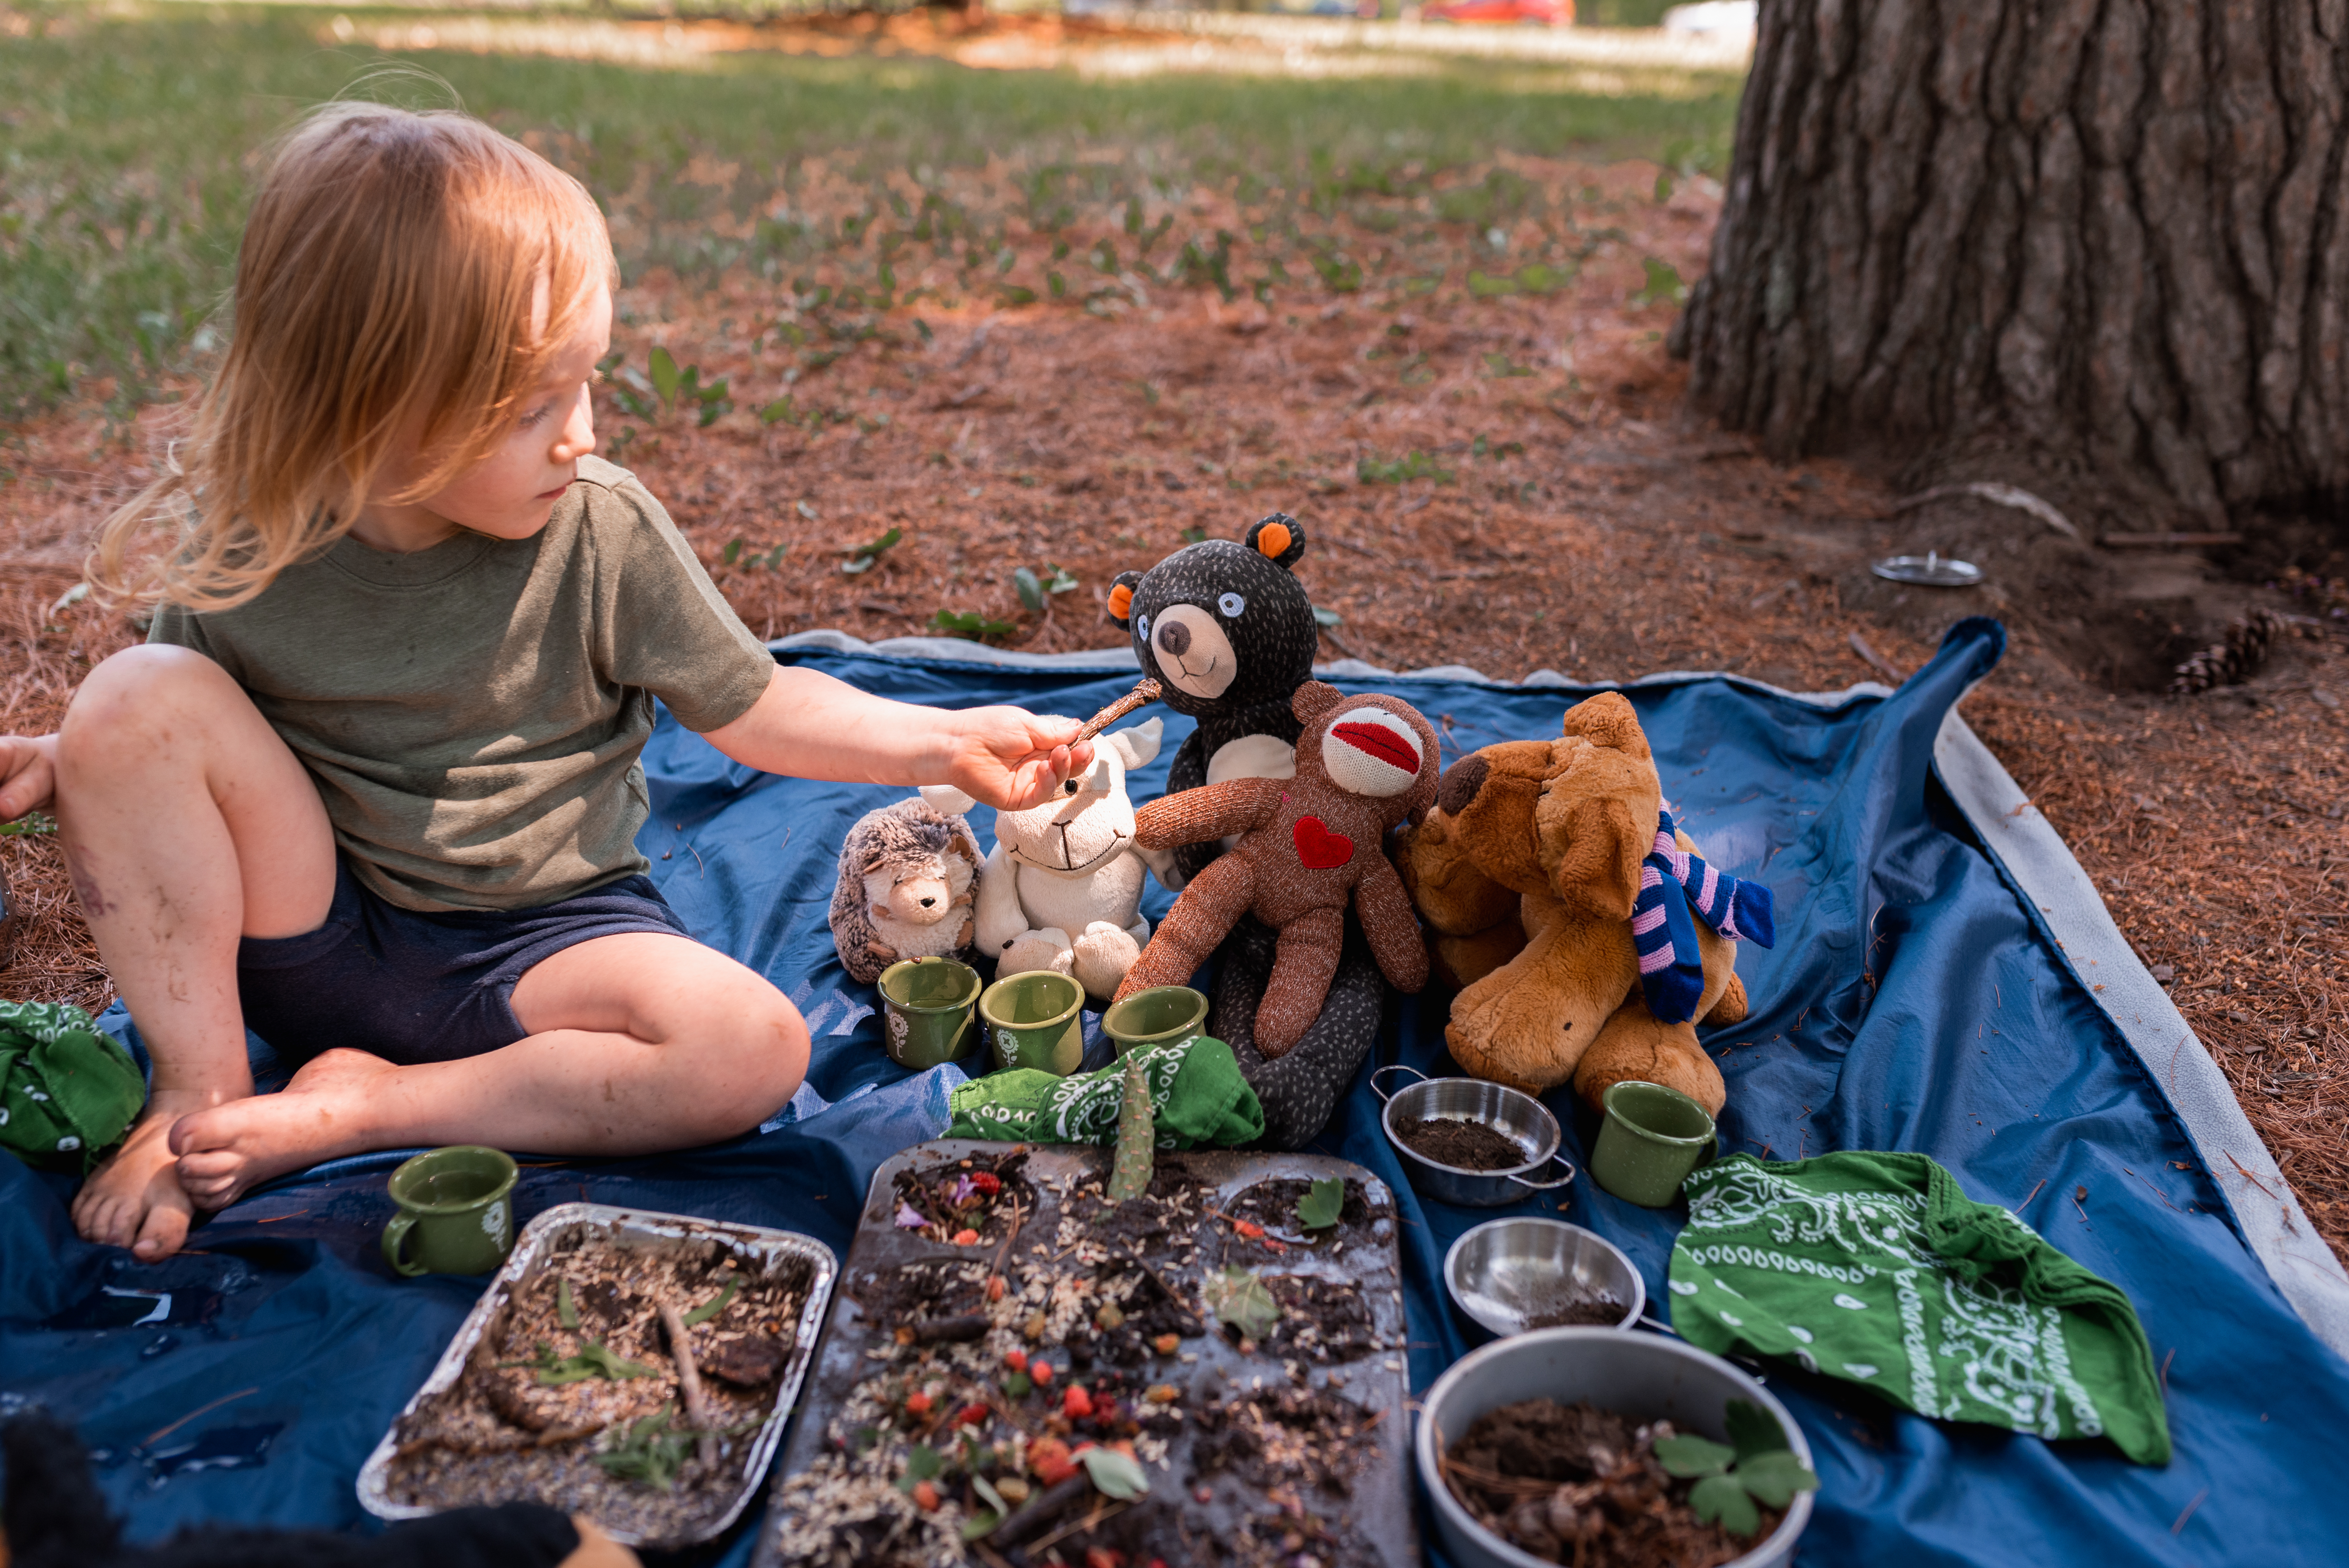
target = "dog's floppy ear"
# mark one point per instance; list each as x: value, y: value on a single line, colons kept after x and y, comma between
x: 1594, y: 849
x: 1120, y: 597
x: 1609, y: 720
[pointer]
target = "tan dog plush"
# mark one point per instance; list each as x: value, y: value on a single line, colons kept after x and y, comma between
x: 1307, y: 845
x: 1531, y: 870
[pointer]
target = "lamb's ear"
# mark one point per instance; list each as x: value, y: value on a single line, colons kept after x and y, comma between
x: 947, y: 799
x: 1120, y: 597
x: 1138, y: 745
x: 1279, y: 539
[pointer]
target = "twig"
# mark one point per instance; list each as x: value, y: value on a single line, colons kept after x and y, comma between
x: 1998, y: 495
x: 1102, y: 1512
x: 1164, y: 1289
x: 1144, y: 692
x: 2189, y: 1513
x: 688, y: 1380
x: 1877, y: 661
x: 2246, y: 1175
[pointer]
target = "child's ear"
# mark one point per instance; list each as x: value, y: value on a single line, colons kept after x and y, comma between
x: 1279, y: 539
x: 1120, y: 597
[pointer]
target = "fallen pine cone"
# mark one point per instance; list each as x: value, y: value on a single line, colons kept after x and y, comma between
x: 2232, y: 660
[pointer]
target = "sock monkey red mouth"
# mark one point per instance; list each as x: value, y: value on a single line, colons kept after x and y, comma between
x: 1382, y: 743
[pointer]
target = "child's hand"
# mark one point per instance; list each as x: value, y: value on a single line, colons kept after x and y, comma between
x: 28, y: 774
x: 1012, y: 759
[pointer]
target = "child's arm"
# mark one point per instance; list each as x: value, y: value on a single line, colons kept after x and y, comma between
x: 810, y: 725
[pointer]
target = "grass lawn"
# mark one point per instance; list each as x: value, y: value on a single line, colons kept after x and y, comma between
x: 128, y: 139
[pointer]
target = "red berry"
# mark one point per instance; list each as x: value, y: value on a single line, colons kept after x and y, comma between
x: 1041, y: 1370
x: 1076, y: 1404
x: 925, y: 1496
x: 1015, y: 1359
x: 971, y: 1416
x: 917, y: 1403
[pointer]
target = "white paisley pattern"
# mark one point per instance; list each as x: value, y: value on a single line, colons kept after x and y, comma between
x: 1083, y: 1109
x: 1971, y: 1349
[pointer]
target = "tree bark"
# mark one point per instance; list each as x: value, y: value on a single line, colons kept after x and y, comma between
x: 2112, y: 230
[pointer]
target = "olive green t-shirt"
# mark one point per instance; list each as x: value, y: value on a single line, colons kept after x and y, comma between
x: 472, y: 713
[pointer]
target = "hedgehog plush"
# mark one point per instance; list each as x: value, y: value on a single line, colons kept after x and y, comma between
x: 907, y: 875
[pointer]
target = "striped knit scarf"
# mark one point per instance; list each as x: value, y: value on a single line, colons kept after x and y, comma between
x: 1672, y: 970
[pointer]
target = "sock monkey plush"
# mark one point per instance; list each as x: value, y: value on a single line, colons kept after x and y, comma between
x: 1309, y: 845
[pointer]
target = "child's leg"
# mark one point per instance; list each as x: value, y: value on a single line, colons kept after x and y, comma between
x: 639, y: 1042
x: 187, y: 823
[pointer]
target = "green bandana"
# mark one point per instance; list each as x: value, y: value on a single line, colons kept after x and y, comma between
x: 68, y: 1093
x: 1196, y: 1096
x: 1876, y: 1269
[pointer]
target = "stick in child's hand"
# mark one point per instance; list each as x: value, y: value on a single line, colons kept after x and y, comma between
x: 1140, y: 696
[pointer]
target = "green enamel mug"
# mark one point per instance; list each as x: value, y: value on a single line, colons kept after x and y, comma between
x: 1036, y: 1020
x: 456, y: 1211
x: 926, y: 1003
x: 1652, y: 1139
x: 1162, y: 1016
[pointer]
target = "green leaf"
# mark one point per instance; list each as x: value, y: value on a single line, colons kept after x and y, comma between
x: 1019, y: 294
x: 716, y: 1304
x: 979, y: 1524
x: 1720, y: 1500
x: 712, y: 393
x: 712, y: 412
x: 664, y: 374
x: 1116, y: 1475
x: 1777, y: 1477
x: 923, y: 1463
x: 922, y: 328
x: 566, y: 1311
x: 1032, y: 592
x: 775, y: 557
x: 1193, y: 535
x: 1754, y: 1431
x: 863, y: 557
x: 652, y: 1451
x: 1683, y: 1455
x: 1019, y: 1386
x: 594, y: 1360
x: 32, y: 823
x: 632, y: 403
x: 989, y: 1495
x: 732, y: 552
x: 970, y: 623
x: 1327, y: 617
x: 777, y: 411
x: 1062, y: 581
x: 1322, y: 1202
x: 1057, y: 285
x: 1239, y: 1298
x: 1663, y: 284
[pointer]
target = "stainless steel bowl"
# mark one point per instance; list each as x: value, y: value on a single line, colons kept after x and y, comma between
x: 1507, y: 1271
x: 1516, y: 1116
x: 1644, y: 1376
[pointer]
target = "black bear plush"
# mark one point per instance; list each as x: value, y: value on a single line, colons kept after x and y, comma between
x: 1229, y: 633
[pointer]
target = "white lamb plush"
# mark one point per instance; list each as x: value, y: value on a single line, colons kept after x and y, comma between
x: 1063, y: 888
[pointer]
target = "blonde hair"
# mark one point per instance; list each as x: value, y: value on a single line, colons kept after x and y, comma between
x: 386, y: 291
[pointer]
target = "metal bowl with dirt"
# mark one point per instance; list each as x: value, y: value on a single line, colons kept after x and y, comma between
x: 1639, y: 1378
x: 1489, y: 1138
x: 1523, y: 1272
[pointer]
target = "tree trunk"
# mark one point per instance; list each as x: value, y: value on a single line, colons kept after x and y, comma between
x: 2112, y: 230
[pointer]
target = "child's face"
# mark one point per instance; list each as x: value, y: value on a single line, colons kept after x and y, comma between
x: 511, y: 493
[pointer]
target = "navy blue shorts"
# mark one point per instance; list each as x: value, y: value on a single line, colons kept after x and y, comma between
x: 412, y: 988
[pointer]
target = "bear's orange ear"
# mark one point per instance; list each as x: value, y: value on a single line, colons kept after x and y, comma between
x: 1121, y: 596
x: 1279, y: 538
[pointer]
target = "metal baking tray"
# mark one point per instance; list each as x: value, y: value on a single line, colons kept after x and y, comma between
x: 1381, y: 1506
x: 522, y: 1266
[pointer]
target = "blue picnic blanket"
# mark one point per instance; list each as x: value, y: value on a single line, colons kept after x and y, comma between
x: 1913, y: 1002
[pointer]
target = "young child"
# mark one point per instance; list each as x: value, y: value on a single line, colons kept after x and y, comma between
x: 371, y: 785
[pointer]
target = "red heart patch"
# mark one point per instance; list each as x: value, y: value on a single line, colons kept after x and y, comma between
x: 1319, y: 848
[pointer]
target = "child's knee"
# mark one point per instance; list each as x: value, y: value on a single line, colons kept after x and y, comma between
x: 136, y: 699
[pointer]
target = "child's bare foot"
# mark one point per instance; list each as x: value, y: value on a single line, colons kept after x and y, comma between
x: 322, y: 1114
x: 134, y: 1199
